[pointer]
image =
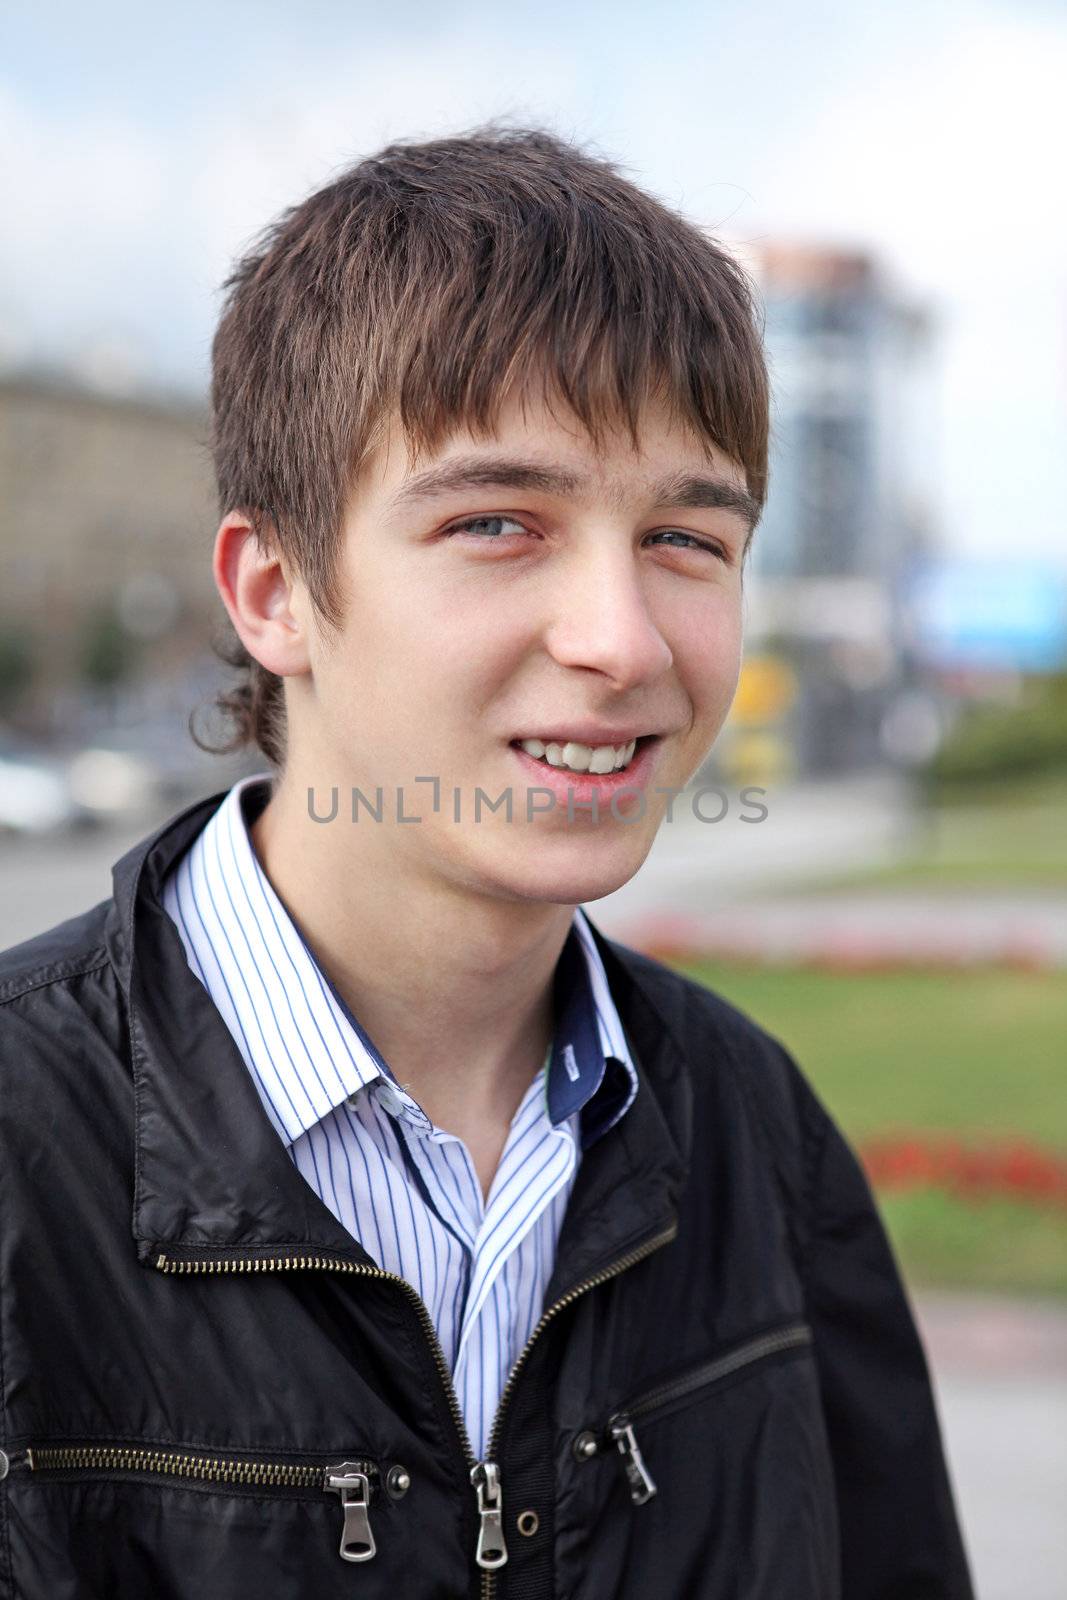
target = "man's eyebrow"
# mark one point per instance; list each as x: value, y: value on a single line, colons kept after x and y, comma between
x: 686, y: 490
x: 698, y: 491
x: 481, y: 472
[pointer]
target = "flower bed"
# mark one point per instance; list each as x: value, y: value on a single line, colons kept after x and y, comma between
x: 1011, y: 1167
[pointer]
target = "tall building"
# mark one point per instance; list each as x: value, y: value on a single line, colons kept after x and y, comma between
x: 107, y: 514
x: 846, y: 511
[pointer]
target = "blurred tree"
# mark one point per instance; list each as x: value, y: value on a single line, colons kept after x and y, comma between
x: 994, y: 743
x: 108, y: 653
x: 18, y: 663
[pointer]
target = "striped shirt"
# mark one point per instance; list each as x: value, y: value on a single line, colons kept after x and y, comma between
x: 404, y: 1188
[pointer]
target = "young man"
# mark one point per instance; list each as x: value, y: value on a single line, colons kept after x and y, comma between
x: 360, y: 1203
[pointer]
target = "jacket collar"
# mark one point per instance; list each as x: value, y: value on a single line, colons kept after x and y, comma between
x: 212, y: 1177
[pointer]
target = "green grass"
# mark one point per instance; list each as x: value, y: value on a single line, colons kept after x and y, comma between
x: 995, y: 1243
x: 975, y: 1053
x: 988, y: 837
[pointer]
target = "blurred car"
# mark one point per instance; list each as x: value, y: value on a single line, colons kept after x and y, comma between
x: 150, y: 764
x: 45, y: 789
x: 35, y: 790
x: 110, y: 783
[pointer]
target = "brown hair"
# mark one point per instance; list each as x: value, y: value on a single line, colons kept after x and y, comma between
x: 416, y: 286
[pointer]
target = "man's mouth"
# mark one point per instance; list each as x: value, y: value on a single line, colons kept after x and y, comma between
x: 596, y: 760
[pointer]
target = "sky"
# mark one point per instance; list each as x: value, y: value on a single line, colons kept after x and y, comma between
x: 146, y: 147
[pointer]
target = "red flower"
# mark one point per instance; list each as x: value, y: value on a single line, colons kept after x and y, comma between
x: 1010, y: 1166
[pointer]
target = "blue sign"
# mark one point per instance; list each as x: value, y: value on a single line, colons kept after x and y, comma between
x: 1001, y: 612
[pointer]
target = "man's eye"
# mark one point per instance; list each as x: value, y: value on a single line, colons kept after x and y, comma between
x: 696, y: 544
x: 486, y: 528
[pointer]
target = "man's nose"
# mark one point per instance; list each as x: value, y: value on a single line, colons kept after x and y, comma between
x: 601, y: 619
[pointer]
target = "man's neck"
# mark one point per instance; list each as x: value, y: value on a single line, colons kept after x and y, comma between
x: 453, y: 987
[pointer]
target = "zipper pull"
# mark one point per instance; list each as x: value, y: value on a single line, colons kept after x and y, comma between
x: 642, y: 1487
x: 492, y: 1552
x: 351, y: 1480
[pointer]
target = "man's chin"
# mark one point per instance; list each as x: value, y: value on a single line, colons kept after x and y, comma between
x: 568, y: 871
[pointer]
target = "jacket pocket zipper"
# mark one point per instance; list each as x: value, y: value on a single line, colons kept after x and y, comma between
x: 355, y: 1481
x: 618, y: 1431
x: 491, y: 1551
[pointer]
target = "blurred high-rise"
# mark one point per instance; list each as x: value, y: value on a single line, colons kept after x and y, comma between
x: 847, y: 512
x: 106, y: 517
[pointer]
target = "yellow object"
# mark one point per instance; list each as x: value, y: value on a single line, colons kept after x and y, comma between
x: 756, y: 758
x: 766, y: 689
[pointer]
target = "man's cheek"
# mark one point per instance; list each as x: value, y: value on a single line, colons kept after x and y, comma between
x: 716, y: 675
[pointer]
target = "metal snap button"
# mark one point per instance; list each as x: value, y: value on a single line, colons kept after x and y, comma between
x: 528, y: 1522
x: 397, y: 1481
x: 4, y: 1464
x: 585, y: 1445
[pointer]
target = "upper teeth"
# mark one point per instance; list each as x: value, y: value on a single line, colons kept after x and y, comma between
x: 582, y: 757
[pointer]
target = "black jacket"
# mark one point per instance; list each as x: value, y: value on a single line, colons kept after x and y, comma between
x: 209, y: 1387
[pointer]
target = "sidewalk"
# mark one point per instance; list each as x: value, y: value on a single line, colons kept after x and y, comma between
x: 736, y: 888
x: 1000, y: 1372
x: 914, y: 927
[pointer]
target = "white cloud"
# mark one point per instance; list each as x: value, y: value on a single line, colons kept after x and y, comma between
x: 931, y: 136
x: 950, y: 165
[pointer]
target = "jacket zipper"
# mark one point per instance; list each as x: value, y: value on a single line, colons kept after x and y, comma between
x: 352, y: 1480
x: 629, y: 1260
x: 491, y: 1550
x: 619, y: 1428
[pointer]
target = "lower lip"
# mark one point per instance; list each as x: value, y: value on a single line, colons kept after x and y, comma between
x: 585, y: 787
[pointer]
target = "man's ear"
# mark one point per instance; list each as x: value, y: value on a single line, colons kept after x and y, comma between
x: 267, y: 607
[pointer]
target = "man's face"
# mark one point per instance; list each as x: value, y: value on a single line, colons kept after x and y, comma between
x: 519, y: 587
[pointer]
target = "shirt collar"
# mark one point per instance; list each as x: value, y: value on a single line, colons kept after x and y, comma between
x: 590, y: 1069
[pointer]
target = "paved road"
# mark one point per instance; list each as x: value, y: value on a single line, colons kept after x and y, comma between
x: 1000, y: 1369
x: 894, y: 924
x: 718, y: 886
x: 44, y: 880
